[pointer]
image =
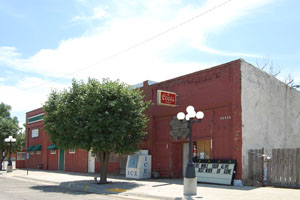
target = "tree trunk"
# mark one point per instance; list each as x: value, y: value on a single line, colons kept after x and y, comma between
x: 103, y: 157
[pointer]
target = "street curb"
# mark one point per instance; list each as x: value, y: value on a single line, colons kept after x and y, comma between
x: 89, y: 187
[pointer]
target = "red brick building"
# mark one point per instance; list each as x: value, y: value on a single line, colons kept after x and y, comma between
x: 229, y: 95
x: 44, y: 154
x: 215, y: 91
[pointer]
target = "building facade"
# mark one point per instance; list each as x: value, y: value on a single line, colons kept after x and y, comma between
x: 244, y: 108
x: 43, y: 154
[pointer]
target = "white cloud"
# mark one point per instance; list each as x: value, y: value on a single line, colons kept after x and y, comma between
x: 76, y: 53
x: 21, y: 98
x: 226, y: 53
x: 105, y: 51
x: 98, y: 13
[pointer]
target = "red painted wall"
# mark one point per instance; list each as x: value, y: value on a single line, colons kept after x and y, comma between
x: 216, y: 92
x: 76, y: 162
x: 36, y: 159
x: 113, y: 167
x: 52, y: 160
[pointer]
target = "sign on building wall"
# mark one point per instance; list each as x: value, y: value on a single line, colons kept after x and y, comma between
x: 35, y: 118
x: 166, y: 98
x: 215, y: 171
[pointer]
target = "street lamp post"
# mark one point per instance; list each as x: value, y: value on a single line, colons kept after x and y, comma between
x: 10, y: 139
x: 190, y: 180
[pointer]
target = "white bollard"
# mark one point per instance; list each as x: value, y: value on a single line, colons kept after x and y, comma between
x: 190, y: 186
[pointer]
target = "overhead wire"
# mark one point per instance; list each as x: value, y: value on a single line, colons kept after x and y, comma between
x: 133, y: 46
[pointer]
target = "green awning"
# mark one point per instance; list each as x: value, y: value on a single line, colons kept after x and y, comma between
x: 52, y: 147
x: 30, y: 148
x: 37, y: 148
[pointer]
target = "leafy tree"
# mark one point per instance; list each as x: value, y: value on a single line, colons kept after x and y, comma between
x: 106, y: 117
x: 8, y: 127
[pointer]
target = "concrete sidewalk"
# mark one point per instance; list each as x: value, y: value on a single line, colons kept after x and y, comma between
x: 150, y: 188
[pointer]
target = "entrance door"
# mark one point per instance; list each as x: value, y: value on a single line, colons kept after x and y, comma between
x: 201, y: 149
x: 91, y: 164
x: 185, y: 157
x: 61, y: 165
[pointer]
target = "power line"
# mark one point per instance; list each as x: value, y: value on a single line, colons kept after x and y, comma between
x: 135, y: 45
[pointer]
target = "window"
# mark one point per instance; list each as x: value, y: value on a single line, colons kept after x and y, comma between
x: 71, y: 151
x: 35, y: 133
x: 20, y: 155
x: 31, y: 152
x: 38, y: 152
x: 53, y: 151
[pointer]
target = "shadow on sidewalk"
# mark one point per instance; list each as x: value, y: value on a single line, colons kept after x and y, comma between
x: 132, y: 183
x: 86, y: 187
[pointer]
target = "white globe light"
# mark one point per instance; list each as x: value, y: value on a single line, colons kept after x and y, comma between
x: 180, y: 116
x: 192, y: 114
x: 10, y: 139
x: 200, y: 115
x: 190, y: 109
x: 187, y: 118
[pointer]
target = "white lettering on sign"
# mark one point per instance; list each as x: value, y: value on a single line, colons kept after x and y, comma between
x: 166, y: 98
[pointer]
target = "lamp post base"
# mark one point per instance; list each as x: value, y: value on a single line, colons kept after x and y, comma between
x: 9, y: 168
x: 190, y: 186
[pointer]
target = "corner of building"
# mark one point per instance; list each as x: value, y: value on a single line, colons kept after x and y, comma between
x: 270, y: 113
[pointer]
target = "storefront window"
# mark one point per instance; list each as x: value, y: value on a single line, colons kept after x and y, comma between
x: 71, y: 151
x: 21, y: 156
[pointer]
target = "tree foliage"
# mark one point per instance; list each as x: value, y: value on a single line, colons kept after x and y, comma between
x: 8, y: 127
x: 106, y: 117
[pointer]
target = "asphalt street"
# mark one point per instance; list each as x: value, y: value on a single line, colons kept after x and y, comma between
x: 15, y: 189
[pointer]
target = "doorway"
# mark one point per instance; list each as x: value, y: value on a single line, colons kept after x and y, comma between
x: 201, y: 149
x: 91, y: 165
x: 185, y: 157
x: 61, y: 163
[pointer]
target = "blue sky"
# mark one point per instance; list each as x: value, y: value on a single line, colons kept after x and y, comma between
x: 44, y: 44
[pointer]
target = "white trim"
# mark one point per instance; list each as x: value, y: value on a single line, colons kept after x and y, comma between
x: 33, y: 117
x: 71, y: 152
x: 21, y: 155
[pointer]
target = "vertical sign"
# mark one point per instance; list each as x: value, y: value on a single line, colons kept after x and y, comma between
x: 27, y: 158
